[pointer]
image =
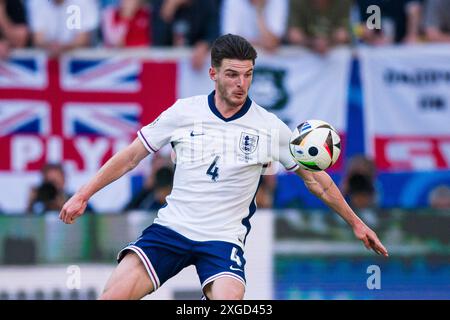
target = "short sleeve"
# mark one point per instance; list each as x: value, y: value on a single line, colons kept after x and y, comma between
x: 282, y: 153
x: 158, y: 133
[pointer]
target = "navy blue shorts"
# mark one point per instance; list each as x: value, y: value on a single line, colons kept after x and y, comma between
x: 165, y: 253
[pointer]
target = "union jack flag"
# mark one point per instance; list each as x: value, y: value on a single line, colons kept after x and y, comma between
x: 24, y: 117
x: 25, y: 71
x: 100, y: 96
x: 111, y: 120
x: 115, y: 74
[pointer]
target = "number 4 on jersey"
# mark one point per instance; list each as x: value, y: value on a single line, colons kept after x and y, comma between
x: 213, y: 169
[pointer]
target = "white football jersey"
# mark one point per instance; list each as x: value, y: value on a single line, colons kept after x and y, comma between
x: 219, y: 162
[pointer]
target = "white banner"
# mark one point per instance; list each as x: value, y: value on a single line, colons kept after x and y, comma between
x: 407, y: 106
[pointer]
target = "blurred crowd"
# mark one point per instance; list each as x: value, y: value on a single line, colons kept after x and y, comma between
x: 61, y: 25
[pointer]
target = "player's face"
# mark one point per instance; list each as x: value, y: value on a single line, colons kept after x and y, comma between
x: 233, y: 79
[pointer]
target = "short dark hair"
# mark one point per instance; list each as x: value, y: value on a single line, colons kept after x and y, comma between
x: 231, y: 46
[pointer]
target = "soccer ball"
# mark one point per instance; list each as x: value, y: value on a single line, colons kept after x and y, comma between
x: 315, y: 145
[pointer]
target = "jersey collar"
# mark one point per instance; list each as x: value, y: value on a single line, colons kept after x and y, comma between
x: 237, y: 115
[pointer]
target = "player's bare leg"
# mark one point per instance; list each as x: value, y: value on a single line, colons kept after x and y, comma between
x: 129, y: 281
x: 225, y: 288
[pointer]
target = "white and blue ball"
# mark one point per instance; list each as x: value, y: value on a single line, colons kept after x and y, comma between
x: 315, y: 145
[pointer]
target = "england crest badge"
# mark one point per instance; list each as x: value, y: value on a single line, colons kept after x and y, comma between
x: 248, y: 142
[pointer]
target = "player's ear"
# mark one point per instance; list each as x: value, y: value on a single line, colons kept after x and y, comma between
x: 213, y: 73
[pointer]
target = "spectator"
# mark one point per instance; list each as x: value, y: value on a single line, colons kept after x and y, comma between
x: 319, y: 24
x: 265, y: 20
x: 437, y: 20
x: 153, y: 196
x: 127, y: 25
x: 400, y: 21
x: 62, y: 25
x: 13, y: 28
x: 439, y: 198
x: 50, y: 195
x: 361, y: 191
x: 358, y: 165
x: 181, y: 23
x: 361, y: 197
x: 266, y: 190
x: 160, y: 160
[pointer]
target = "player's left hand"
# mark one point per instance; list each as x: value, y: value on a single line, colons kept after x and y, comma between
x: 370, y: 239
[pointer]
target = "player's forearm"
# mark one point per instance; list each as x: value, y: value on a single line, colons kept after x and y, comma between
x: 113, y: 169
x: 333, y: 198
x: 321, y: 185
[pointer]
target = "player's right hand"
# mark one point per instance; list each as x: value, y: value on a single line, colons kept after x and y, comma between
x: 72, y: 209
x: 370, y: 239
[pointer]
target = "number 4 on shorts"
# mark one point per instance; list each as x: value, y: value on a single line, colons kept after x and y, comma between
x: 234, y: 257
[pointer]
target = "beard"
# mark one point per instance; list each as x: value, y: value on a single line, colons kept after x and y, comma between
x: 228, y: 97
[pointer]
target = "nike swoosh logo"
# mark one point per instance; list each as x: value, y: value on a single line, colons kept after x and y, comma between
x: 236, y: 269
x: 196, y: 134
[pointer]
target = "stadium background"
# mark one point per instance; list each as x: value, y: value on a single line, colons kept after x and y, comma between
x: 389, y: 103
